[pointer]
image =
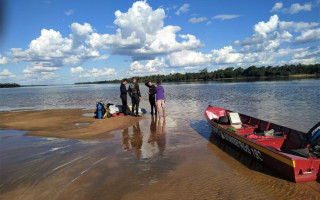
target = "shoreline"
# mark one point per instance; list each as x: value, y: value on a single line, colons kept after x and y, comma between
x: 63, y: 123
x: 240, y: 79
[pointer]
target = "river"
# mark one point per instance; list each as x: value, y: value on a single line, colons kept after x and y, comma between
x: 154, y: 159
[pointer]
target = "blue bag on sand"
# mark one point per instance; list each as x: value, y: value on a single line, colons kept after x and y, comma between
x: 102, y: 111
x: 99, y: 111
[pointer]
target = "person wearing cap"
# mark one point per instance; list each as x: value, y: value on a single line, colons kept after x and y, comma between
x: 134, y: 93
x: 152, y: 96
x: 160, y: 99
x: 123, y: 96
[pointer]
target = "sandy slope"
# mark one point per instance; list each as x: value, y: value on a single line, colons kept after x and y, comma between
x: 67, y: 123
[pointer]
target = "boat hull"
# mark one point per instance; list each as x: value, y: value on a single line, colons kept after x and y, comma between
x: 286, y: 165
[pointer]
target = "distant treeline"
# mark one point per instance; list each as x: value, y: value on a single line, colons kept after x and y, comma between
x: 230, y: 73
x: 9, y: 85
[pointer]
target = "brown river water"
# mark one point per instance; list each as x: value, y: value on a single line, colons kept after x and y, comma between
x: 171, y: 158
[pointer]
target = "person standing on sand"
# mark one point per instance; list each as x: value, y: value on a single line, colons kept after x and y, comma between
x: 123, y: 96
x: 135, y: 95
x: 160, y: 99
x: 152, y: 96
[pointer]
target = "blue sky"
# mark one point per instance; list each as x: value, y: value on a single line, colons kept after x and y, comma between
x: 67, y: 41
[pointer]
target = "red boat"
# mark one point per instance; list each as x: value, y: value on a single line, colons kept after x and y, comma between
x: 294, y: 154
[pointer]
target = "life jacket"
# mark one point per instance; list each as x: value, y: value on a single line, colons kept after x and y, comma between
x: 133, y: 88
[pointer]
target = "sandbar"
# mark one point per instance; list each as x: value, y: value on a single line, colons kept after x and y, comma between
x: 64, y: 123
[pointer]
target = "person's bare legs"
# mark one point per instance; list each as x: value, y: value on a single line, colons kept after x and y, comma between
x: 158, y: 109
x: 164, y: 111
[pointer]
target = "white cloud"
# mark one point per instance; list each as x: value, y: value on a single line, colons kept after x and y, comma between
x: 155, y: 66
x: 39, y: 69
x: 307, y: 36
x: 188, y: 58
x: 75, y: 70
x: 49, y: 45
x: 296, y: 26
x: 92, y: 73
x: 195, y: 20
x: 265, y: 27
x: 193, y: 60
x: 102, y: 57
x: 293, y: 9
x: 277, y: 7
x: 226, y: 55
x: 50, y: 51
x: 142, y: 36
x: 305, y: 56
x: 271, y: 42
x: 40, y: 73
x: 3, y: 60
x: 79, y: 33
x: 69, y: 12
x: 269, y: 36
x: 137, y: 68
x: 6, y: 74
x: 183, y: 9
x: 98, y: 73
x: 225, y: 17
x: 55, y: 51
x: 139, y: 19
x: 157, y: 63
x: 155, y: 47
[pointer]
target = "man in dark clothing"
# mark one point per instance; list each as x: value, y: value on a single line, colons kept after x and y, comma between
x: 152, y: 96
x: 135, y: 95
x: 123, y: 96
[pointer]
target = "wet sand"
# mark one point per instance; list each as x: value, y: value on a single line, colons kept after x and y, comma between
x: 64, y: 123
x: 148, y: 158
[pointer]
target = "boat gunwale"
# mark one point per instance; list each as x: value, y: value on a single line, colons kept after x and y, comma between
x: 270, y: 152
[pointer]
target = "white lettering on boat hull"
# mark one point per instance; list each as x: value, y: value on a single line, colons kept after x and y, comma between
x: 245, y: 147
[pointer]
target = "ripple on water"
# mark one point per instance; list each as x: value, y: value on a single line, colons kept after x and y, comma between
x: 152, y: 159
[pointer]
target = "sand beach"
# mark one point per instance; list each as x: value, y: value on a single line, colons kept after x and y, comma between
x: 64, y: 123
x: 51, y: 150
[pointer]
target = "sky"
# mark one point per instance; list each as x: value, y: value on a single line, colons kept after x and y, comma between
x: 68, y: 41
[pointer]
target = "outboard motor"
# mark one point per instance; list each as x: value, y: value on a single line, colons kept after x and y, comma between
x: 313, y: 136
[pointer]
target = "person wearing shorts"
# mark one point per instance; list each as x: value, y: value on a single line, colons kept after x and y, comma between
x: 160, y: 99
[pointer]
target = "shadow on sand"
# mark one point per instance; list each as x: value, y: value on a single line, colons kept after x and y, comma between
x: 202, y: 128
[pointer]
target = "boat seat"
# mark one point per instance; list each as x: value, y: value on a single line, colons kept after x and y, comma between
x: 235, y: 120
x: 298, y: 152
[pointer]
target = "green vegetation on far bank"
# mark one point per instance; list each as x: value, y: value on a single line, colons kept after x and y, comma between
x: 231, y: 73
x: 9, y: 85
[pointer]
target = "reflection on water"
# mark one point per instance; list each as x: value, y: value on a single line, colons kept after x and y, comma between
x: 161, y: 135
x: 146, y: 144
x: 241, y: 157
x: 153, y: 131
x: 125, y: 139
x: 154, y: 157
x: 136, y: 139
